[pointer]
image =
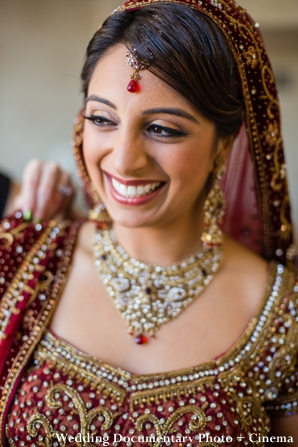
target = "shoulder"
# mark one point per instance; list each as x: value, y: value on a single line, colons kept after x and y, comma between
x: 241, y: 258
x: 256, y: 273
x: 243, y: 278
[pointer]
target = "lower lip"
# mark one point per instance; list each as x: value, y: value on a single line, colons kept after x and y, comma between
x: 135, y: 201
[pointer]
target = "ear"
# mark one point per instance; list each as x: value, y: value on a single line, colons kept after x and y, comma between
x: 224, y: 146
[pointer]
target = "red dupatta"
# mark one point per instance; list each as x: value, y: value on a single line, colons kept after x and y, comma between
x: 34, y: 260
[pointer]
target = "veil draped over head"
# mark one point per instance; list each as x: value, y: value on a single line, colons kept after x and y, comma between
x: 255, y: 184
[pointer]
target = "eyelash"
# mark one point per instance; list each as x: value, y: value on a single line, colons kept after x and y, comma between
x: 171, y: 133
x: 100, y: 121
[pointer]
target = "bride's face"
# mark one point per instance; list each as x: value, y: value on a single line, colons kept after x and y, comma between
x: 149, y: 153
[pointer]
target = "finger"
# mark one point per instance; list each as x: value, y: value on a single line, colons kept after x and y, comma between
x: 62, y: 196
x: 30, y: 181
x: 46, y: 189
x: 59, y: 195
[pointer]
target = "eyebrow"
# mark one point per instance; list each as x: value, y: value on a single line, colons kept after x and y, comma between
x: 101, y: 100
x: 171, y: 111
x: 167, y: 111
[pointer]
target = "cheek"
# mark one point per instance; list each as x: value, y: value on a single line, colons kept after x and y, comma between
x: 191, y: 167
x: 91, y: 149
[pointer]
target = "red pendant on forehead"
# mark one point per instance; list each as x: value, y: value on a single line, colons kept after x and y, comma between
x: 132, y: 86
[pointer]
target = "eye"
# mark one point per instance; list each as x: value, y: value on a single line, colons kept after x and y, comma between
x: 98, y: 120
x: 164, y: 132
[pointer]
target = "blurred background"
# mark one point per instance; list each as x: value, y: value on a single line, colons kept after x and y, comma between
x: 42, y: 46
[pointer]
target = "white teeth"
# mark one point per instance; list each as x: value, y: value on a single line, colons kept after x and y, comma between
x: 122, y: 189
x: 132, y: 191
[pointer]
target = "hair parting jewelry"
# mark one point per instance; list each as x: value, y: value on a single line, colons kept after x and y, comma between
x: 137, y: 64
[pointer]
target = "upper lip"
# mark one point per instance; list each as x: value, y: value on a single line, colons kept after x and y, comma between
x: 132, y: 182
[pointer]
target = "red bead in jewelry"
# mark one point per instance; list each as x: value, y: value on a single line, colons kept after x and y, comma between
x: 141, y: 339
x: 132, y: 86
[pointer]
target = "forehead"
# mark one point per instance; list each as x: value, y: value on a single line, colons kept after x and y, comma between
x: 113, y: 74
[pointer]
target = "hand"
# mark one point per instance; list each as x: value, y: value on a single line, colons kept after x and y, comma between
x: 46, y: 191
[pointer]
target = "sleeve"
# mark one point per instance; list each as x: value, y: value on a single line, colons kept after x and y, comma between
x: 4, y: 192
x: 282, y: 395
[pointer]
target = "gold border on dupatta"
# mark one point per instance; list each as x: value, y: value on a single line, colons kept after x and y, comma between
x: 43, y: 318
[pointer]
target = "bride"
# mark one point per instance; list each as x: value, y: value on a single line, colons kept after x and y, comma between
x: 146, y: 319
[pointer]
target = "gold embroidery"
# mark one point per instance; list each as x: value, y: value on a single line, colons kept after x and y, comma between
x: 50, y: 349
x: 251, y: 57
x: 169, y: 392
x: 282, y: 364
x: 86, y: 419
x: 9, y: 237
x: 43, y: 284
x: 271, y: 133
x: 287, y: 227
x: 248, y: 408
x: 41, y: 320
x: 39, y: 420
x: 197, y: 423
x: 19, y: 283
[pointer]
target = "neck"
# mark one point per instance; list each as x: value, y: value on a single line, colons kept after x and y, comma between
x: 162, y: 245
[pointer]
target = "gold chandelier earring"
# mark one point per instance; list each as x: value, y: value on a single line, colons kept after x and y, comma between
x: 214, y: 208
x: 100, y: 215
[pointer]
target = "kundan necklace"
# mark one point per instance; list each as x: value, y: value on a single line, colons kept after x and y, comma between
x: 148, y: 296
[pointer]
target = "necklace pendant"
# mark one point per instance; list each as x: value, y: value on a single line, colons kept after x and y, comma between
x: 141, y: 339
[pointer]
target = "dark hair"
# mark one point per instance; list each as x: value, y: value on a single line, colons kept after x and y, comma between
x: 185, y: 49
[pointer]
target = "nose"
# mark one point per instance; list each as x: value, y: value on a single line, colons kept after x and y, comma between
x: 129, y: 153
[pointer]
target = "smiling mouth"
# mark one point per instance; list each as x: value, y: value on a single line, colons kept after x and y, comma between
x: 135, y: 191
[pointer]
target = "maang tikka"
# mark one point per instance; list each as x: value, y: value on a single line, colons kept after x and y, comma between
x: 137, y: 64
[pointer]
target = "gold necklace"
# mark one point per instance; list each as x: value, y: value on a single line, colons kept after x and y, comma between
x: 148, y: 296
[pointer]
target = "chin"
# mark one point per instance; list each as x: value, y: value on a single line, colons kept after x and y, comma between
x: 134, y: 220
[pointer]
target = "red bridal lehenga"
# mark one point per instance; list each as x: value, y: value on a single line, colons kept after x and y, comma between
x: 52, y: 390
x: 52, y: 394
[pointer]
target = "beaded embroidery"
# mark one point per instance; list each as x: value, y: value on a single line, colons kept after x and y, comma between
x: 228, y: 396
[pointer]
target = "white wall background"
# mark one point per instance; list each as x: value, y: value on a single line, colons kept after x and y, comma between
x: 42, y: 45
